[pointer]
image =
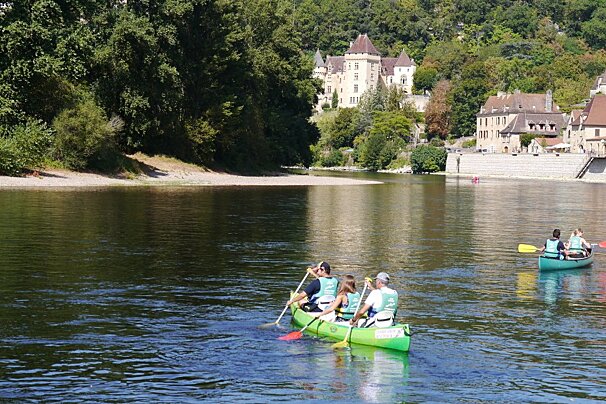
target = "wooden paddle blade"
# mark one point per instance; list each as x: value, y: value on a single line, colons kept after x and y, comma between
x: 338, y: 345
x: 291, y: 335
x: 527, y: 248
x: 602, y: 244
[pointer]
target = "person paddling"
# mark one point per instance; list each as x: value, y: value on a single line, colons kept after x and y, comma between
x: 324, y: 286
x: 381, y: 304
x: 346, y: 302
x: 553, y: 247
x: 577, y: 246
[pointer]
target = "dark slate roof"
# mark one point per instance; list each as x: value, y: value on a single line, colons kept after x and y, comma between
x: 404, y: 60
x: 519, y: 124
x: 319, y: 62
x: 387, y: 65
x: 335, y: 63
x: 363, y: 45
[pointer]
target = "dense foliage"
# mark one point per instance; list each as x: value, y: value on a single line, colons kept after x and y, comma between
x: 428, y: 159
x: 210, y: 81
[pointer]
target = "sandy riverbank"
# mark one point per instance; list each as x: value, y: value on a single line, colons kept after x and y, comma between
x: 168, y: 172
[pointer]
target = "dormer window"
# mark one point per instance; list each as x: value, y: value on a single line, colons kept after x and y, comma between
x: 552, y: 127
x: 531, y: 125
x: 542, y: 126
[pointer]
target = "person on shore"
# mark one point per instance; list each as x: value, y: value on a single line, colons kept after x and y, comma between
x: 554, y: 247
x: 321, y: 289
x: 577, y: 246
x: 346, y: 301
x: 381, y: 304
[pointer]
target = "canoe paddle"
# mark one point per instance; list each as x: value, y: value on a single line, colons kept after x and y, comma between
x: 296, y: 334
x: 285, y: 307
x: 344, y: 343
x: 527, y: 248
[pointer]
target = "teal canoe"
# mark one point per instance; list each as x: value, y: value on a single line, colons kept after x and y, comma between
x: 395, y: 337
x: 554, y: 264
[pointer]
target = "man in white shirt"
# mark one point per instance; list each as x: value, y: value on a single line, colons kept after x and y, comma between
x: 381, y: 299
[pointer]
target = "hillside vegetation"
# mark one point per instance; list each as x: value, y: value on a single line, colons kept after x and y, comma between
x: 228, y: 82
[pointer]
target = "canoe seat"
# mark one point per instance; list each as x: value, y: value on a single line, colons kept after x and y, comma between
x: 382, y: 319
x: 324, y: 302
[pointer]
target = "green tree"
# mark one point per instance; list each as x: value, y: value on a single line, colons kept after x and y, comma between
x: 334, y: 102
x: 428, y: 159
x: 424, y: 79
x: 85, y: 138
x: 468, y: 95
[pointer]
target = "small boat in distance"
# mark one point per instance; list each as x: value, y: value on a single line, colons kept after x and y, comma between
x: 553, y: 264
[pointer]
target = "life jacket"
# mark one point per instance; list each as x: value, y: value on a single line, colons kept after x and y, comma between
x: 347, y: 311
x: 328, y: 287
x: 551, y: 249
x: 575, y: 243
x: 389, y: 302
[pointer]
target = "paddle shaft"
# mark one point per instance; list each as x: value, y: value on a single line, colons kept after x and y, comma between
x: 357, y: 308
x: 296, y: 291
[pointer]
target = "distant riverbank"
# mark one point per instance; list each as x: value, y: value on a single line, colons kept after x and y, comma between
x: 163, y: 171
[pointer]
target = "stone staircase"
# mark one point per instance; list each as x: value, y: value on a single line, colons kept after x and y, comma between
x: 596, y: 170
x: 549, y: 165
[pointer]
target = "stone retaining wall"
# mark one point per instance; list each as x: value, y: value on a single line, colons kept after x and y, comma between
x: 563, y: 166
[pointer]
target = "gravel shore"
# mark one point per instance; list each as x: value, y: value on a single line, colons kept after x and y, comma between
x: 162, y: 171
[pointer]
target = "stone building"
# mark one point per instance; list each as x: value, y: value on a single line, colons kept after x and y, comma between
x: 505, y: 117
x: 586, y: 130
x: 361, y: 69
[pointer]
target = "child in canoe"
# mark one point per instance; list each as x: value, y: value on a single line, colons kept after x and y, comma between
x: 344, y: 305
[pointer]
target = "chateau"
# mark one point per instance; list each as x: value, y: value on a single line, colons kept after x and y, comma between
x: 361, y: 68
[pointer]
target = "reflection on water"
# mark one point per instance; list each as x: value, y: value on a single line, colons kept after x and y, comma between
x: 156, y: 294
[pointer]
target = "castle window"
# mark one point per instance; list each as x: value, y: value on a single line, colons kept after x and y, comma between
x: 355, y: 76
x: 355, y: 88
x: 372, y: 76
x: 329, y: 89
x: 356, y: 66
x: 404, y: 80
x: 390, y: 80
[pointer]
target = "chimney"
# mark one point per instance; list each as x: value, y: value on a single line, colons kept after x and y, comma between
x: 548, y: 101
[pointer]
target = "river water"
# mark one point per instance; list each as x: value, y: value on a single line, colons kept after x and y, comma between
x: 156, y: 294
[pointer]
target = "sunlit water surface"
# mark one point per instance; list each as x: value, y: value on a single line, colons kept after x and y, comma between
x: 156, y: 294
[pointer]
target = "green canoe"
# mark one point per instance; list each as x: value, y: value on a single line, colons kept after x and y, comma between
x: 552, y: 264
x: 395, y: 337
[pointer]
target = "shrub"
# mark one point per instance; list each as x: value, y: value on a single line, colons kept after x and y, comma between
x: 428, y: 159
x: 25, y: 148
x: 469, y: 143
x: 85, y: 139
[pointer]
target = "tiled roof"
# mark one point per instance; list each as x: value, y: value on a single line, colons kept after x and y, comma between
x: 336, y: 63
x: 319, y: 62
x: 548, y: 141
x: 516, y: 102
x: 596, y: 111
x: 575, y: 116
x: 363, y: 45
x: 404, y: 60
x: 387, y: 66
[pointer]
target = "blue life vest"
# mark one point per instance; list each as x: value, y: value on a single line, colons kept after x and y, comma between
x: 389, y: 302
x: 348, y: 310
x: 328, y: 287
x: 575, y: 243
x: 551, y: 249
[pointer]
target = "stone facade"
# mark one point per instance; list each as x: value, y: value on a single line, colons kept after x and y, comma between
x: 505, y: 117
x: 361, y: 69
x: 586, y: 130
